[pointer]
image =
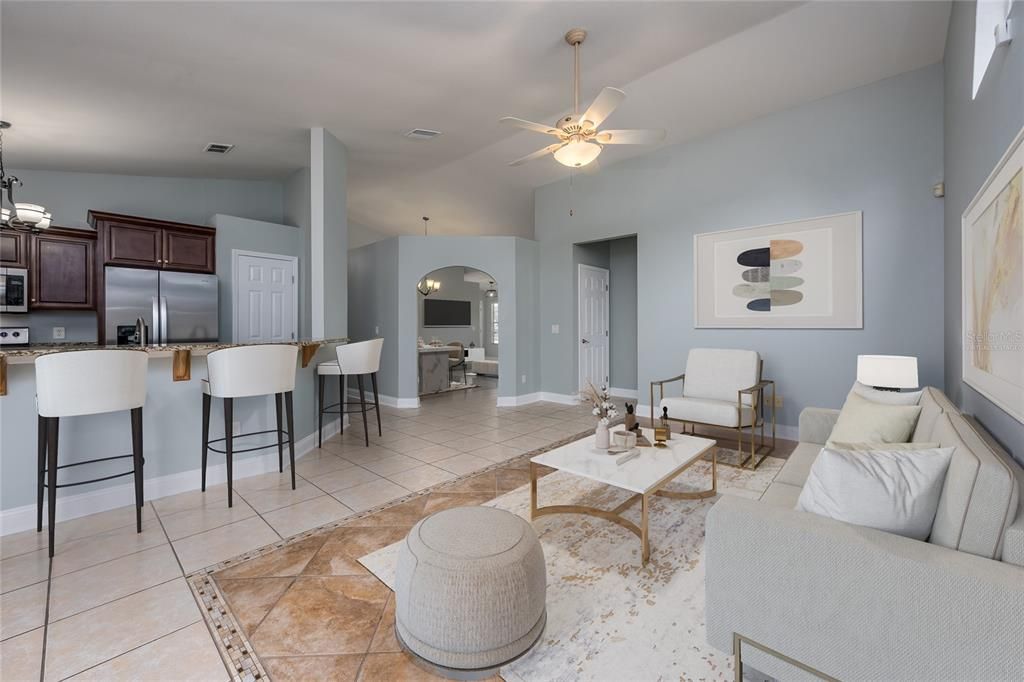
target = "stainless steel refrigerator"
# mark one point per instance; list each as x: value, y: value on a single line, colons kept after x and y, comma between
x: 176, y: 307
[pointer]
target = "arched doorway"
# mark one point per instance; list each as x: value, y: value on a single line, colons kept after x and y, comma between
x: 458, y: 329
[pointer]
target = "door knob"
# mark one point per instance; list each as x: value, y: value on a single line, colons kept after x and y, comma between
x: 585, y: 341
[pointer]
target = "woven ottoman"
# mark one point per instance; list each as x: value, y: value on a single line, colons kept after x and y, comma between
x: 470, y: 591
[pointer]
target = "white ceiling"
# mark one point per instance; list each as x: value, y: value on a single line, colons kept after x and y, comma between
x: 141, y: 87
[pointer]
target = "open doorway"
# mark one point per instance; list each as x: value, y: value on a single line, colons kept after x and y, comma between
x: 458, y: 332
x: 606, y: 320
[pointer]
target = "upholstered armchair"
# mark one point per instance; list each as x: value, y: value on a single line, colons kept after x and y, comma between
x: 724, y: 388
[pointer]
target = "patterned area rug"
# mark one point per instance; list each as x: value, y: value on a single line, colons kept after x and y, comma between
x: 608, y: 617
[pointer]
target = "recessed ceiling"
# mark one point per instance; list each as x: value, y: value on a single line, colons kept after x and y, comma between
x: 142, y: 87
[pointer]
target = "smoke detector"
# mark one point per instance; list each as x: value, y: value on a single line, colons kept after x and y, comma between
x: 219, y: 148
x: 422, y: 134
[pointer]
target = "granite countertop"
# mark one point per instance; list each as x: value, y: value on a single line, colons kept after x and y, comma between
x: 36, y: 349
x: 437, y: 349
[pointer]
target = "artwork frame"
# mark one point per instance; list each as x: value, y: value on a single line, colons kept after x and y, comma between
x: 992, y: 285
x: 749, y: 278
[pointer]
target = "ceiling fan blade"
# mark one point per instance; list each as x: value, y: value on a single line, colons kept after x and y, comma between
x: 530, y: 125
x: 602, y: 107
x: 630, y: 136
x: 537, y: 154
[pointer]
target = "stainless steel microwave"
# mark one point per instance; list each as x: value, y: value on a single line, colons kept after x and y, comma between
x: 13, y: 290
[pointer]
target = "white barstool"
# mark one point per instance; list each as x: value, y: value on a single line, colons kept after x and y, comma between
x: 243, y: 372
x: 81, y: 383
x: 358, y: 360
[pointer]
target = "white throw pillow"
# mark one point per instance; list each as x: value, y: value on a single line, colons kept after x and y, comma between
x: 862, y: 421
x: 858, y: 447
x: 894, y: 491
x: 886, y: 397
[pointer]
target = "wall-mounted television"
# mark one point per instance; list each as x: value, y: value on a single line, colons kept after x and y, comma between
x: 441, y: 313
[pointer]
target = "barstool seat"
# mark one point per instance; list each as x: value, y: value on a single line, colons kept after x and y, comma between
x: 82, y: 383
x: 243, y: 372
x: 354, y: 359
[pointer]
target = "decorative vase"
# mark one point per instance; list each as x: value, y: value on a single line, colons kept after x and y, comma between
x: 601, y: 437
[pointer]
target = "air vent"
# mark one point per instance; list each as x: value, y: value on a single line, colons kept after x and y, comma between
x: 219, y: 148
x: 422, y: 134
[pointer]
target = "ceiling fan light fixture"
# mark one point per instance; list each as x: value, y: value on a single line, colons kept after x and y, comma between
x: 577, y: 153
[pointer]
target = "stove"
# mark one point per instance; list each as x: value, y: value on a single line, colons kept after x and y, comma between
x: 13, y: 336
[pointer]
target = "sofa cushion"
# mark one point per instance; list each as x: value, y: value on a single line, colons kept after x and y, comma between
x: 781, y: 495
x: 980, y: 496
x: 798, y: 465
x: 718, y: 373
x: 886, y: 397
x: 932, y: 403
x: 862, y: 421
x: 705, y: 411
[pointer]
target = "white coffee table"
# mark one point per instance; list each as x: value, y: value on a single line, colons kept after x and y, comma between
x: 645, y: 475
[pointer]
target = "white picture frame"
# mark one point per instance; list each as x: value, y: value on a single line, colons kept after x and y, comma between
x: 992, y: 285
x: 805, y: 274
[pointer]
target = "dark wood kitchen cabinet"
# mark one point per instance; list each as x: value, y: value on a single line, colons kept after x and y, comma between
x: 13, y: 249
x: 160, y: 244
x: 61, y: 269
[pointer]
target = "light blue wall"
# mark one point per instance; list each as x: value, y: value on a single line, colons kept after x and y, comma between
x: 877, y: 149
x: 977, y: 134
x: 296, y: 212
x: 335, y: 253
x: 622, y: 296
x: 373, y: 304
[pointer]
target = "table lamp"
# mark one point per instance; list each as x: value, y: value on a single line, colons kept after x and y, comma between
x: 887, y: 372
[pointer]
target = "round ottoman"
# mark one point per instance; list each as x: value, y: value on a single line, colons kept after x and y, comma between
x: 469, y: 591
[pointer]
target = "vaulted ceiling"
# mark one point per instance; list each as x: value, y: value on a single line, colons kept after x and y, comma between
x: 141, y: 87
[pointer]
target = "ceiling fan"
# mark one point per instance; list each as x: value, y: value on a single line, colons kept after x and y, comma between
x: 579, y: 140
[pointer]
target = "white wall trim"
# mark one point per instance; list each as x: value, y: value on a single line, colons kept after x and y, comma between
x: 537, y: 397
x: 235, y: 254
x: 386, y: 400
x: 316, y: 225
x: 17, y: 519
x: 785, y: 431
x: 625, y: 393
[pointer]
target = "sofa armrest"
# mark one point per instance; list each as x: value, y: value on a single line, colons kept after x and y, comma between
x: 857, y: 603
x: 816, y: 424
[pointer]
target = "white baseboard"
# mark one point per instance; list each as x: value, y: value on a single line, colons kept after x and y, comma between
x: 537, y: 397
x: 517, y: 400
x: 387, y: 400
x: 625, y: 393
x: 73, y: 506
x: 781, y: 430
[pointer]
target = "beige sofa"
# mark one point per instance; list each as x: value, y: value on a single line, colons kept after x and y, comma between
x: 861, y: 604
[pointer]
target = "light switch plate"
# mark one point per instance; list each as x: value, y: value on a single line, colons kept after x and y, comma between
x: 376, y: 331
x: 58, y: 332
x: 554, y: 329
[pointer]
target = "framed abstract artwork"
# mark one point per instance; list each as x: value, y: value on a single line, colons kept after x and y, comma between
x: 992, y: 279
x: 802, y: 274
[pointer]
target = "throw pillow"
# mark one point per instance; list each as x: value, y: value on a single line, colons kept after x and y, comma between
x: 862, y: 421
x: 886, y: 397
x: 861, y: 447
x: 893, y: 491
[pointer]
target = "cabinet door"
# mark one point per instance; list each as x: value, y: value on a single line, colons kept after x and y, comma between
x: 134, y: 245
x: 62, y: 273
x: 187, y: 250
x: 13, y: 249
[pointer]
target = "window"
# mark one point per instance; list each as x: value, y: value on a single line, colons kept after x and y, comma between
x: 494, y: 323
x: 987, y: 15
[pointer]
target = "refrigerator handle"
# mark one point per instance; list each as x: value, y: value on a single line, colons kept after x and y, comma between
x: 155, y: 335
x: 163, y: 320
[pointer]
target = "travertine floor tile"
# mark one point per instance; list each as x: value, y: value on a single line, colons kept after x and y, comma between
x: 462, y: 464
x: 24, y: 569
x: 22, y: 610
x: 212, y: 513
x: 392, y: 465
x: 280, y: 495
x: 185, y: 655
x: 371, y: 494
x: 384, y: 640
x: 92, y: 637
x: 421, y: 477
x: 173, y: 504
x: 252, y: 598
x: 79, y: 554
x: 433, y: 453
x: 311, y: 467
x: 286, y: 561
x: 21, y: 657
x: 345, y: 478
x: 336, y: 615
x: 303, y: 516
x: 75, y: 529
x: 305, y: 668
x: 398, y: 666
x: 213, y: 546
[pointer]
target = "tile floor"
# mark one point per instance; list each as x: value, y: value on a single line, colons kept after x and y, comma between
x: 105, y: 575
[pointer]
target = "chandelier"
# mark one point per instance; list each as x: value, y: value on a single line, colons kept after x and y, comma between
x: 428, y: 286
x: 18, y: 216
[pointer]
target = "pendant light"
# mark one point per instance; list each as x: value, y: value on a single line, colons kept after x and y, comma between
x: 17, y: 216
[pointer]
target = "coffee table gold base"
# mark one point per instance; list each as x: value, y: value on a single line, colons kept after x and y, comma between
x: 615, y: 515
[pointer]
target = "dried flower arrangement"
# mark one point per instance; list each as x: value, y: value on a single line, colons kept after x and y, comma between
x: 604, y: 409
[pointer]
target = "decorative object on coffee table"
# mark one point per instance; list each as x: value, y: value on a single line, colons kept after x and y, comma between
x: 662, y: 430
x: 605, y: 412
x: 470, y: 591
x: 629, y: 421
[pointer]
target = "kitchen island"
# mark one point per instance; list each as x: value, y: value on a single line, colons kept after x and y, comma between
x: 172, y: 425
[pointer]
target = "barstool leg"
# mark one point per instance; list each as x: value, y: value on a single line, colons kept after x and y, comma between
x: 40, y: 473
x: 280, y: 437
x: 291, y: 433
x: 206, y: 434
x: 321, y: 380
x: 138, y: 462
x: 52, y: 436
x: 341, y: 404
x: 228, y: 441
x: 376, y: 403
x: 362, y: 402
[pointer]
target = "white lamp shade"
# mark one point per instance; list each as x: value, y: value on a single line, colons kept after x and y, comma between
x: 887, y: 371
x: 577, y: 153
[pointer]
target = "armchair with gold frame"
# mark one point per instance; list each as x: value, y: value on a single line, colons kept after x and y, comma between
x: 723, y: 388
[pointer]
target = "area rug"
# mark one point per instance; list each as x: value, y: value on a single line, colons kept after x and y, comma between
x: 608, y: 617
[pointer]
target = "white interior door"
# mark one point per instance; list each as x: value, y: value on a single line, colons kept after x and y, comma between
x: 265, y: 297
x: 593, y: 326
